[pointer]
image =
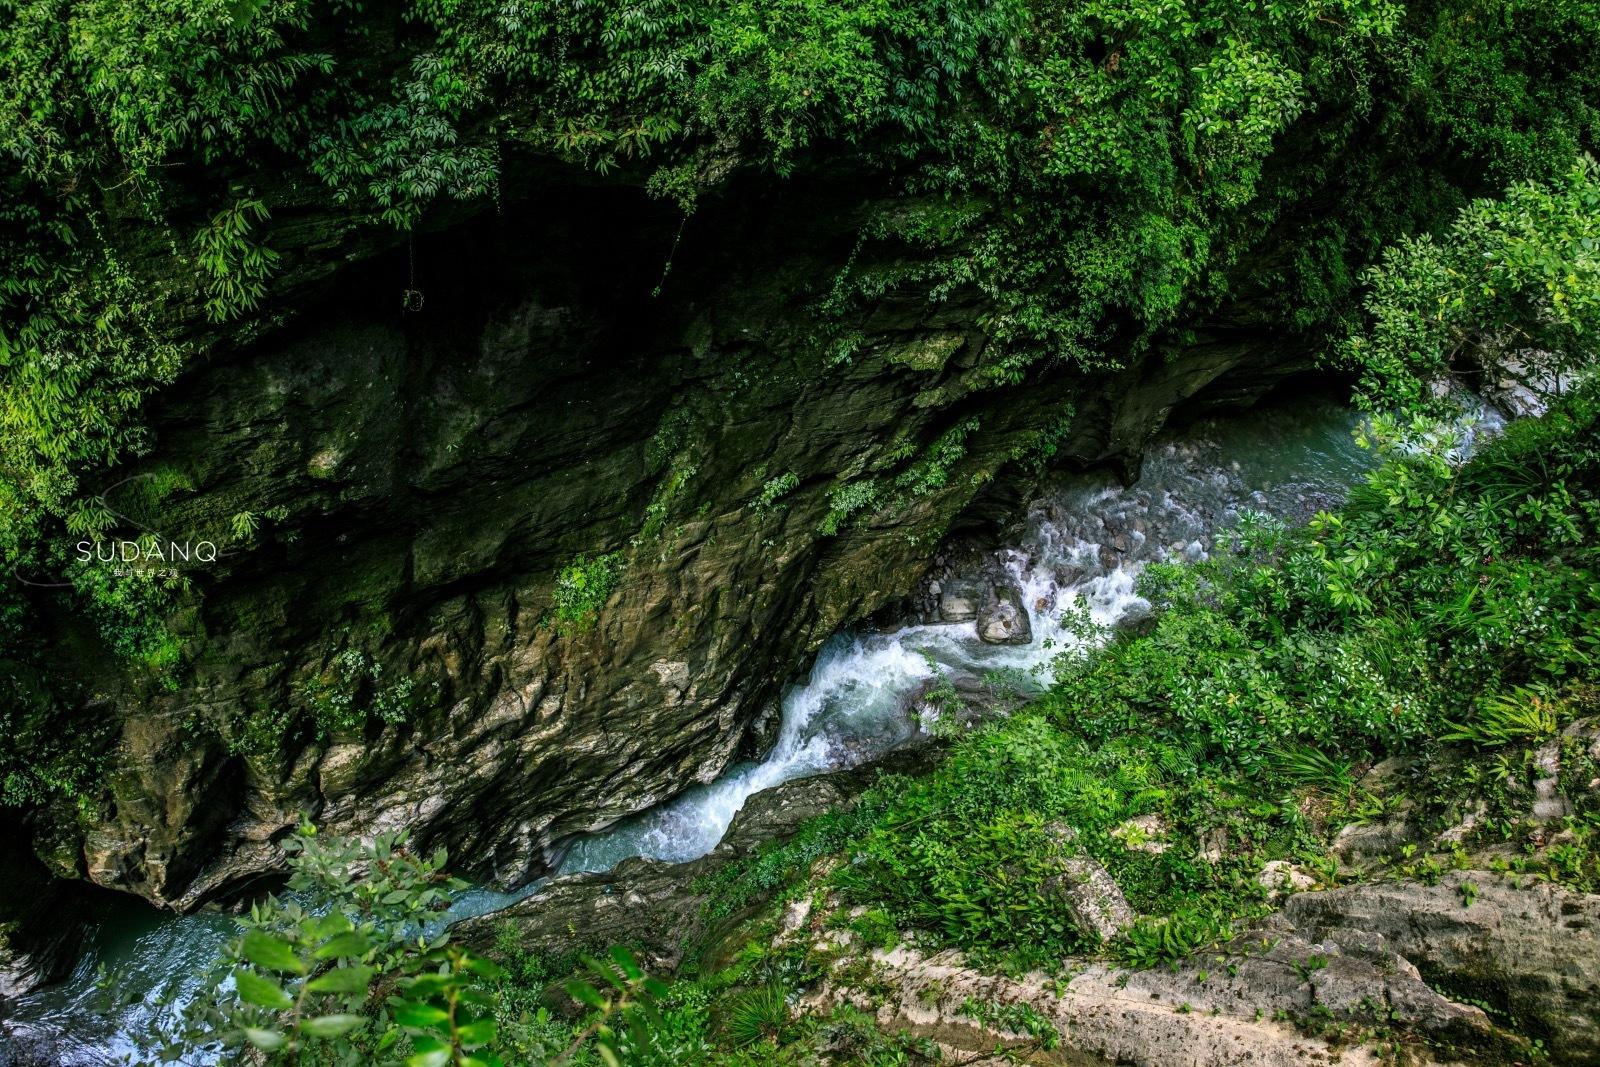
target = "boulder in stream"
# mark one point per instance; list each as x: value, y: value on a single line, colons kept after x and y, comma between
x: 1003, y: 620
x: 960, y: 599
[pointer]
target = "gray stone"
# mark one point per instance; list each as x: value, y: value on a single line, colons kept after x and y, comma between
x: 1093, y: 897
x: 1280, y: 877
x: 1003, y: 620
x: 960, y: 599
x: 1533, y: 951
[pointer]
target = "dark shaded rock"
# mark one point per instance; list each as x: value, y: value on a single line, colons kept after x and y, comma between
x: 43, y: 920
x: 763, y: 731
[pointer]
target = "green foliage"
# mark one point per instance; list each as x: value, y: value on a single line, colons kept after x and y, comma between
x: 128, y: 604
x: 617, y: 990
x: 845, y: 500
x: 1167, y: 938
x: 349, y: 966
x: 668, y: 492
x: 775, y: 488
x: 1511, y: 291
x: 48, y: 756
x: 109, y: 96
x: 1039, y: 446
x: 582, y: 588
x: 771, y: 868
x: 1016, y: 1016
x: 1311, y: 766
x: 236, y: 270
x: 1524, y: 714
x: 1100, y: 173
x: 303, y: 981
x: 931, y: 471
x: 1438, y: 604
x: 349, y: 693
x: 758, y: 1015
x: 80, y: 350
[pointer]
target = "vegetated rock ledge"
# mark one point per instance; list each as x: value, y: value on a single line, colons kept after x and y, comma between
x: 419, y: 479
x: 1342, y: 975
x: 1353, y: 975
x: 655, y: 906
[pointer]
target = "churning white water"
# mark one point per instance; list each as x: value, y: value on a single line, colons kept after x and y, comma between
x: 1080, y: 549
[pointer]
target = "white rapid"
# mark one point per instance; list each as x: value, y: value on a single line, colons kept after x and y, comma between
x: 1081, y: 546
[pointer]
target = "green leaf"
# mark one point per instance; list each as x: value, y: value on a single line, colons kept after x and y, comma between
x: 422, y: 1016
x: 330, y: 924
x: 434, y: 1058
x: 342, y: 980
x: 484, y: 968
x: 260, y: 991
x: 265, y: 1040
x: 332, y: 1025
x: 428, y: 985
x: 606, y: 973
x: 264, y: 950
x: 477, y: 1033
x: 624, y: 959
x: 352, y: 944
x: 584, y: 993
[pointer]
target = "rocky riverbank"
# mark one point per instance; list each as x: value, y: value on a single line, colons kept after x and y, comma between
x: 381, y: 643
x: 1470, y: 965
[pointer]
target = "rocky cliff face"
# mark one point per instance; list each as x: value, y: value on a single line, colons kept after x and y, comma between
x: 421, y: 452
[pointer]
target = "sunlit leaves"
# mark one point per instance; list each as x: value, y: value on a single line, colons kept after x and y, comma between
x: 272, y: 953
x: 1510, y: 292
x: 260, y: 990
x: 303, y: 978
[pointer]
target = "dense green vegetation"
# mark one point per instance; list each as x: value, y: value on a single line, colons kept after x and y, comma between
x: 1409, y: 188
x: 1436, y: 610
x: 1102, y: 176
x: 1446, y: 615
x: 1101, y: 172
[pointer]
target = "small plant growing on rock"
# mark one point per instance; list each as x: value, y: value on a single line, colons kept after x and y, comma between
x: 1309, y: 966
x: 582, y: 588
x: 759, y: 1015
x: 776, y: 488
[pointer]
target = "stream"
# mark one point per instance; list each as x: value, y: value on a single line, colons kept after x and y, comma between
x: 1082, y: 545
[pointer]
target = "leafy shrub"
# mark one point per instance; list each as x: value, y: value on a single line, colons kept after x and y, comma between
x: 758, y: 1015
x: 298, y: 983
x: 349, y: 966
x: 582, y: 588
x: 1523, y: 714
x: 1439, y: 604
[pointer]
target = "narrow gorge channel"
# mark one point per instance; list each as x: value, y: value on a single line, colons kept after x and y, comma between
x: 1078, y: 548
